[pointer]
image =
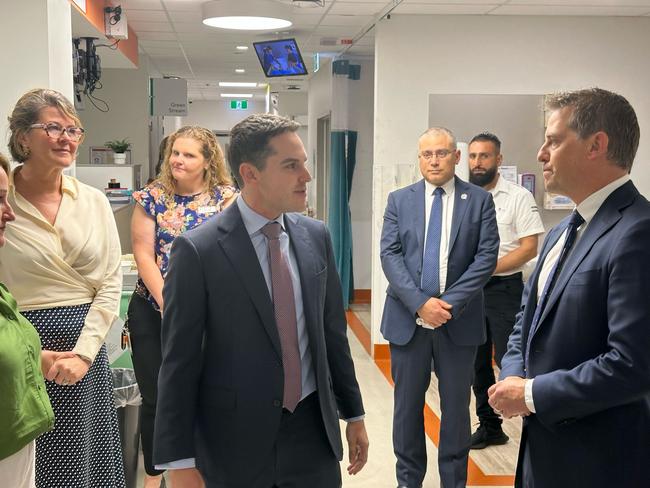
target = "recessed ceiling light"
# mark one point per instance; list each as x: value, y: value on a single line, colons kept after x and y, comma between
x: 240, y: 70
x: 242, y: 48
x: 240, y: 84
x: 236, y: 95
x: 235, y: 14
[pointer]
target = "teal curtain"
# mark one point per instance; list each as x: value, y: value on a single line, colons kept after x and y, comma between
x: 343, y: 159
x: 343, y: 153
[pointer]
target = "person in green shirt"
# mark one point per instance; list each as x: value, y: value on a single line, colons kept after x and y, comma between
x: 25, y: 410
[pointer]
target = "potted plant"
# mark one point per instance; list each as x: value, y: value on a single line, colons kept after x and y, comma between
x: 119, y: 148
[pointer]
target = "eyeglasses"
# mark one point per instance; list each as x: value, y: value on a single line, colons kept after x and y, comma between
x: 438, y: 154
x: 55, y: 131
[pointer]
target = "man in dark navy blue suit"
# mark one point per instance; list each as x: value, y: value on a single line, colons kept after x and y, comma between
x: 256, y: 368
x: 439, y: 247
x: 578, y: 360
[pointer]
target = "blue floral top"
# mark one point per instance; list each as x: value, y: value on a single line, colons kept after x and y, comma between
x: 174, y: 216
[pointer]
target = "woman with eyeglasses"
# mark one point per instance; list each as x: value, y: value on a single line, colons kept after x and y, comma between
x: 61, y: 261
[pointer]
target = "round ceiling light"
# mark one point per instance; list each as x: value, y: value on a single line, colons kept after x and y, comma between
x: 246, y: 15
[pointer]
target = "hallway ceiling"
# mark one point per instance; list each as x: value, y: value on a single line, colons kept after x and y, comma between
x: 171, y: 33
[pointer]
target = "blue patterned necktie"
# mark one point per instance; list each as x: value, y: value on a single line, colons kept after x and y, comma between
x: 575, y: 221
x: 431, y: 261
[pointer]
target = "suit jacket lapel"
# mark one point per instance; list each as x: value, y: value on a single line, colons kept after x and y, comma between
x: 461, y: 202
x: 418, y: 207
x: 301, y: 244
x: 237, y: 246
x: 606, y: 217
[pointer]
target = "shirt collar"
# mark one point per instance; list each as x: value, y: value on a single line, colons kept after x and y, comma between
x: 252, y: 220
x: 69, y: 185
x: 590, y: 205
x: 502, y: 185
x: 449, y: 186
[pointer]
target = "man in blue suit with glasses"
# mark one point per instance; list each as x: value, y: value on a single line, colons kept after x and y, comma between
x: 439, y: 247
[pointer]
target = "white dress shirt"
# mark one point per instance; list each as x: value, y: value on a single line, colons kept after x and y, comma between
x: 447, y: 215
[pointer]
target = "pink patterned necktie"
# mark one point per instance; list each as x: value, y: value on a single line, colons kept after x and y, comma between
x: 285, y: 316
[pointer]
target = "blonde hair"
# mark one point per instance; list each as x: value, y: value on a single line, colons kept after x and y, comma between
x: 216, y: 173
x: 26, y: 112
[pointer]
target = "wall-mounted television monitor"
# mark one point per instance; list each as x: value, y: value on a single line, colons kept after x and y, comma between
x: 280, y: 58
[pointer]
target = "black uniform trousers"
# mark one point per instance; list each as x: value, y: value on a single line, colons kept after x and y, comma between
x: 502, y: 295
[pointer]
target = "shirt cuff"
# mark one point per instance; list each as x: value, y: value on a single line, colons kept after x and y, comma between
x: 354, y: 419
x: 528, y: 395
x: 179, y: 464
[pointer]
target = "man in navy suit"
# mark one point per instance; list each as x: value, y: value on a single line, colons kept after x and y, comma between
x: 578, y: 360
x: 256, y: 368
x: 439, y: 247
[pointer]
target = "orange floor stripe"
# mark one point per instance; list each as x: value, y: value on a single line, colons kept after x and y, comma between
x: 359, y: 330
x: 475, y: 475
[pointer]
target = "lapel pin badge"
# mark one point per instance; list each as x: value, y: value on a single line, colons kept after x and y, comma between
x: 463, y: 196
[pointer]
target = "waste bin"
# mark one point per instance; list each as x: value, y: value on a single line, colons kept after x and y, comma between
x: 127, y: 402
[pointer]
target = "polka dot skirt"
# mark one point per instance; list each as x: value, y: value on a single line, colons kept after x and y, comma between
x: 83, y: 450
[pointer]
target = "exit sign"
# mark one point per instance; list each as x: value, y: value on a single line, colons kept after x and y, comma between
x: 238, y: 104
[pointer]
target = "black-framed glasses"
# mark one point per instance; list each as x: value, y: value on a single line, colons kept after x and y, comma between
x: 55, y: 131
x: 438, y: 154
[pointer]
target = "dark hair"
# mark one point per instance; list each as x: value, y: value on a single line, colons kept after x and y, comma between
x: 594, y: 110
x: 487, y: 137
x: 249, y: 140
x: 26, y: 113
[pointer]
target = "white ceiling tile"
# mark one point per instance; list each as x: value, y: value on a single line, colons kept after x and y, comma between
x: 155, y: 36
x: 347, y: 20
x: 145, y: 16
x: 356, y: 8
x: 337, y: 31
x: 158, y: 42
x: 582, y: 10
x: 151, y: 26
x: 182, y: 16
x: 304, y: 20
x: 189, y: 26
x: 464, y: 2
x: 141, y: 4
x: 436, y: 9
x: 587, y: 3
x: 183, y: 5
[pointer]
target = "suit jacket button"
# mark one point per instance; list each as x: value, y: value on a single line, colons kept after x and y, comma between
x: 277, y: 403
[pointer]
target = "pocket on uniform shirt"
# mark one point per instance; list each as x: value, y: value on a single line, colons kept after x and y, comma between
x: 504, y: 223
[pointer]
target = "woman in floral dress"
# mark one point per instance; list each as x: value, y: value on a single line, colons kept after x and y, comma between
x: 194, y: 186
